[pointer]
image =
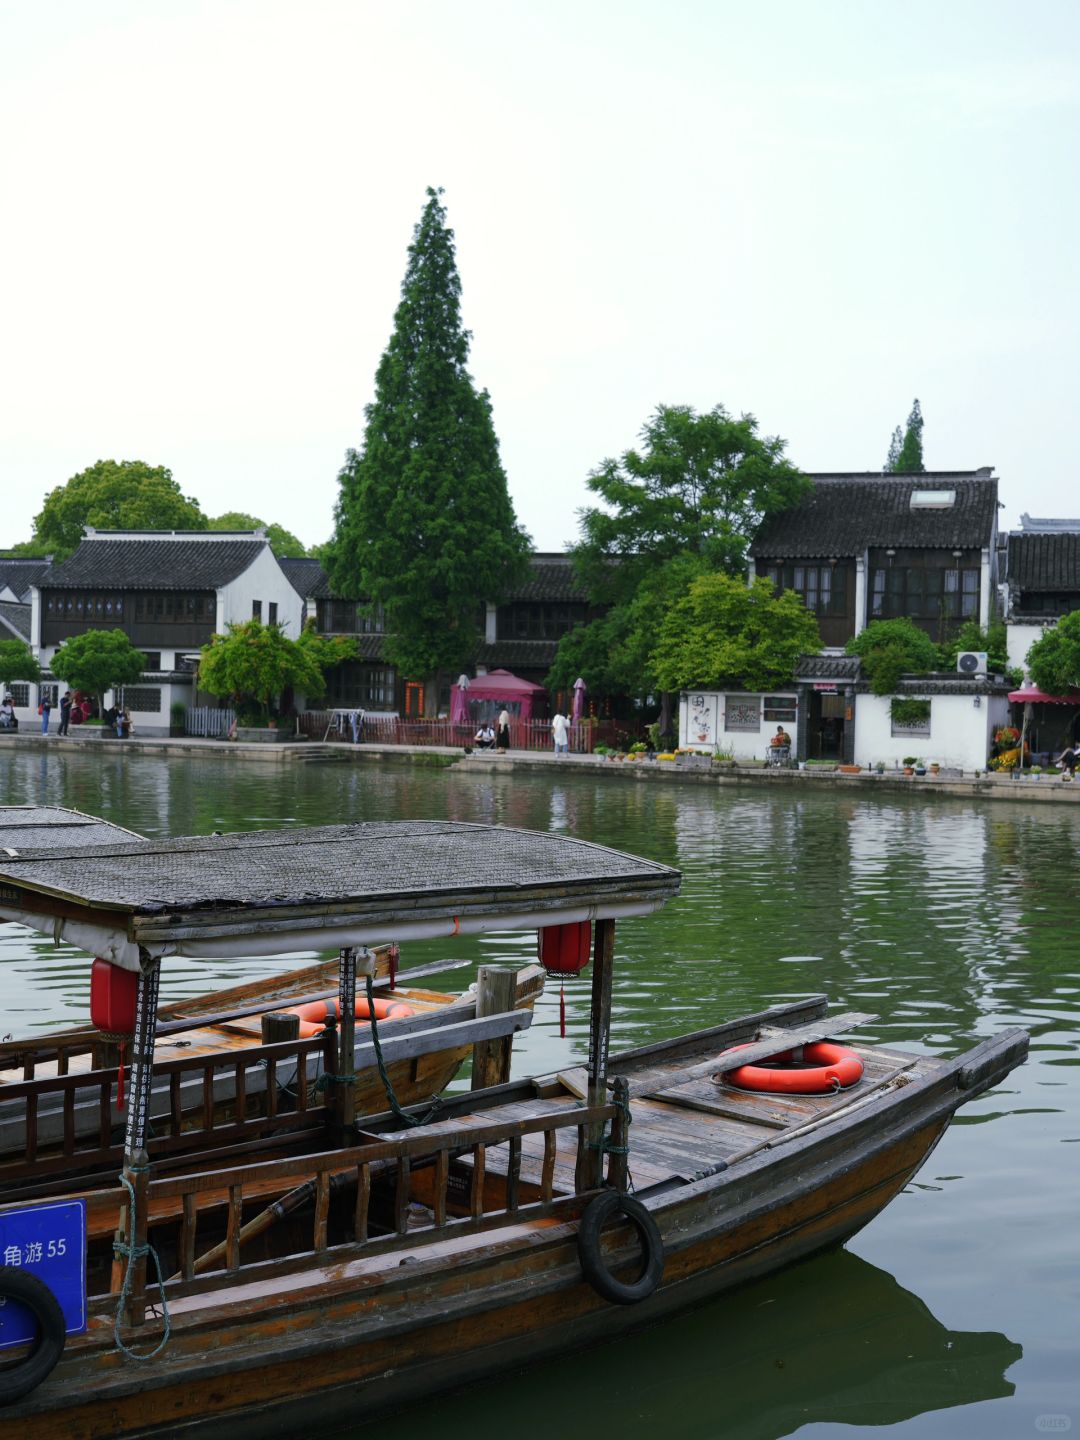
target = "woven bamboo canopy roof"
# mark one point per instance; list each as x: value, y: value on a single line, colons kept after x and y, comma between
x: 278, y: 891
x: 51, y: 827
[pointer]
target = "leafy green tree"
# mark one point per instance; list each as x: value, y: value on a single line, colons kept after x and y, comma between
x: 424, y: 522
x: 890, y: 649
x: 98, y: 660
x: 699, y: 485
x: 685, y: 503
x: 725, y: 633
x: 910, y: 459
x: 114, y: 495
x: 17, y: 662
x: 614, y: 653
x: 253, y: 663
x: 971, y: 636
x: 283, y: 542
x: 1054, y: 659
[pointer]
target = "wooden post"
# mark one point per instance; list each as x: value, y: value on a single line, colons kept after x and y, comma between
x: 496, y: 991
x: 136, y: 1160
x: 619, y: 1164
x: 279, y: 1025
x: 345, y: 1097
x: 590, y: 1163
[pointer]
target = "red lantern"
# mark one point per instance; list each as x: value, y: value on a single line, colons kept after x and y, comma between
x: 565, y: 950
x: 113, y: 1001
x: 113, y: 993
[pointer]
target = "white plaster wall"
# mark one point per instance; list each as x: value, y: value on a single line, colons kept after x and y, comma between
x: 263, y: 580
x: 701, y: 725
x: 1019, y: 640
x: 959, y: 735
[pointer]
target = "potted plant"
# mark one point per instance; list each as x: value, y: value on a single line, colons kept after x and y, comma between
x: 880, y: 767
x: 909, y: 764
x: 920, y: 767
x: 935, y: 767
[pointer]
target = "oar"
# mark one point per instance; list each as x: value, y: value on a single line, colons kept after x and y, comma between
x: 197, y: 1022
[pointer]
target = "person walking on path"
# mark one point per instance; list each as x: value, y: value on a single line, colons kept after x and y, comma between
x: 560, y: 734
x: 65, y: 712
x: 43, y: 710
x: 502, y: 731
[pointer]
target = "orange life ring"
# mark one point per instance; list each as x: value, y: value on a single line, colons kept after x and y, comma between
x: 831, y: 1067
x: 313, y: 1017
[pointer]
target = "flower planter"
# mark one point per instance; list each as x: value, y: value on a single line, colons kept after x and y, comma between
x: 909, y: 769
x: 849, y: 769
x: 261, y: 735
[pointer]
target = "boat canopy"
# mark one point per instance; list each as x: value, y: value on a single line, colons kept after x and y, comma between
x: 272, y: 892
x: 52, y: 827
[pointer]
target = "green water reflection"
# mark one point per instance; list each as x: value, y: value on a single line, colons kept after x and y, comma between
x: 946, y: 919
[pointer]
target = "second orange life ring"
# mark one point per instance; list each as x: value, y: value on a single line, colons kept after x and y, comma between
x: 314, y: 1017
x: 831, y: 1067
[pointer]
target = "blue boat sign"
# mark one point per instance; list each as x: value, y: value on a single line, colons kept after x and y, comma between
x: 49, y: 1242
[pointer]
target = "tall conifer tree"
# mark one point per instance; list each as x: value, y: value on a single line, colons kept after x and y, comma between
x: 424, y: 523
x: 910, y: 459
x: 896, y: 444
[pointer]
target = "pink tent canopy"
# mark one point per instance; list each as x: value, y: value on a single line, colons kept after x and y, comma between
x: 500, y: 685
x: 1031, y: 695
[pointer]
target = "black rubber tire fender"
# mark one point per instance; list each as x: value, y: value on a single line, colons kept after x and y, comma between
x: 593, y: 1266
x: 19, y: 1380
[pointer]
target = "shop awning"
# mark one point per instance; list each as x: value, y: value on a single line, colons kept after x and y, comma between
x: 1032, y: 695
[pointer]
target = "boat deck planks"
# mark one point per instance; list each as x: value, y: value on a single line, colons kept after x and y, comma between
x: 682, y: 1132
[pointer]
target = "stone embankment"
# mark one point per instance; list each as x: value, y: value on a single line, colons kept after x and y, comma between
x: 1046, y: 789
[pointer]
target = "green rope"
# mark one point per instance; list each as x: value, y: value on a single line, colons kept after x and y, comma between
x: 131, y: 1253
x: 405, y: 1118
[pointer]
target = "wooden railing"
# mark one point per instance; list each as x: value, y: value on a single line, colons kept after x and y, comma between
x: 395, y: 1155
x: 333, y: 726
x: 197, y: 1100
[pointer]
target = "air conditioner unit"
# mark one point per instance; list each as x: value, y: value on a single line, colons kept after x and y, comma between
x: 971, y: 662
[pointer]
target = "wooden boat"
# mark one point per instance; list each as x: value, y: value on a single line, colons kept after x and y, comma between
x: 230, y: 1022
x: 337, y: 1267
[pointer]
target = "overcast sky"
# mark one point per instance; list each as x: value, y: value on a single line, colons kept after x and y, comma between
x: 812, y: 211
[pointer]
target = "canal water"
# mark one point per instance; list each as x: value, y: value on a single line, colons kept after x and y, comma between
x: 956, y: 1312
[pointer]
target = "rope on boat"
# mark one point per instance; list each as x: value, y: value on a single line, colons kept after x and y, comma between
x: 131, y: 1253
x: 392, y: 1100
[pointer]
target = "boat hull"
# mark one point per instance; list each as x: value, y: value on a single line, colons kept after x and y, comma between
x: 363, y: 1334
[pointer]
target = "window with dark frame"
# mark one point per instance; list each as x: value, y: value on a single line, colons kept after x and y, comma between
x: 925, y: 593
x: 256, y: 609
x: 780, y: 707
x: 822, y: 588
x: 272, y: 612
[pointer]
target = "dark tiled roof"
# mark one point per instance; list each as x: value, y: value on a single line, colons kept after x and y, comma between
x: 551, y: 577
x: 1044, y: 562
x: 15, y: 618
x: 306, y: 576
x: 160, y: 564
x: 518, y: 654
x: 370, y: 647
x: 845, y: 514
x: 827, y: 667
x: 20, y: 574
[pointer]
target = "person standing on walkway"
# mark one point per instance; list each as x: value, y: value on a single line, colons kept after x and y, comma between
x: 65, y: 712
x: 560, y: 734
x: 43, y: 710
x: 502, y: 731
